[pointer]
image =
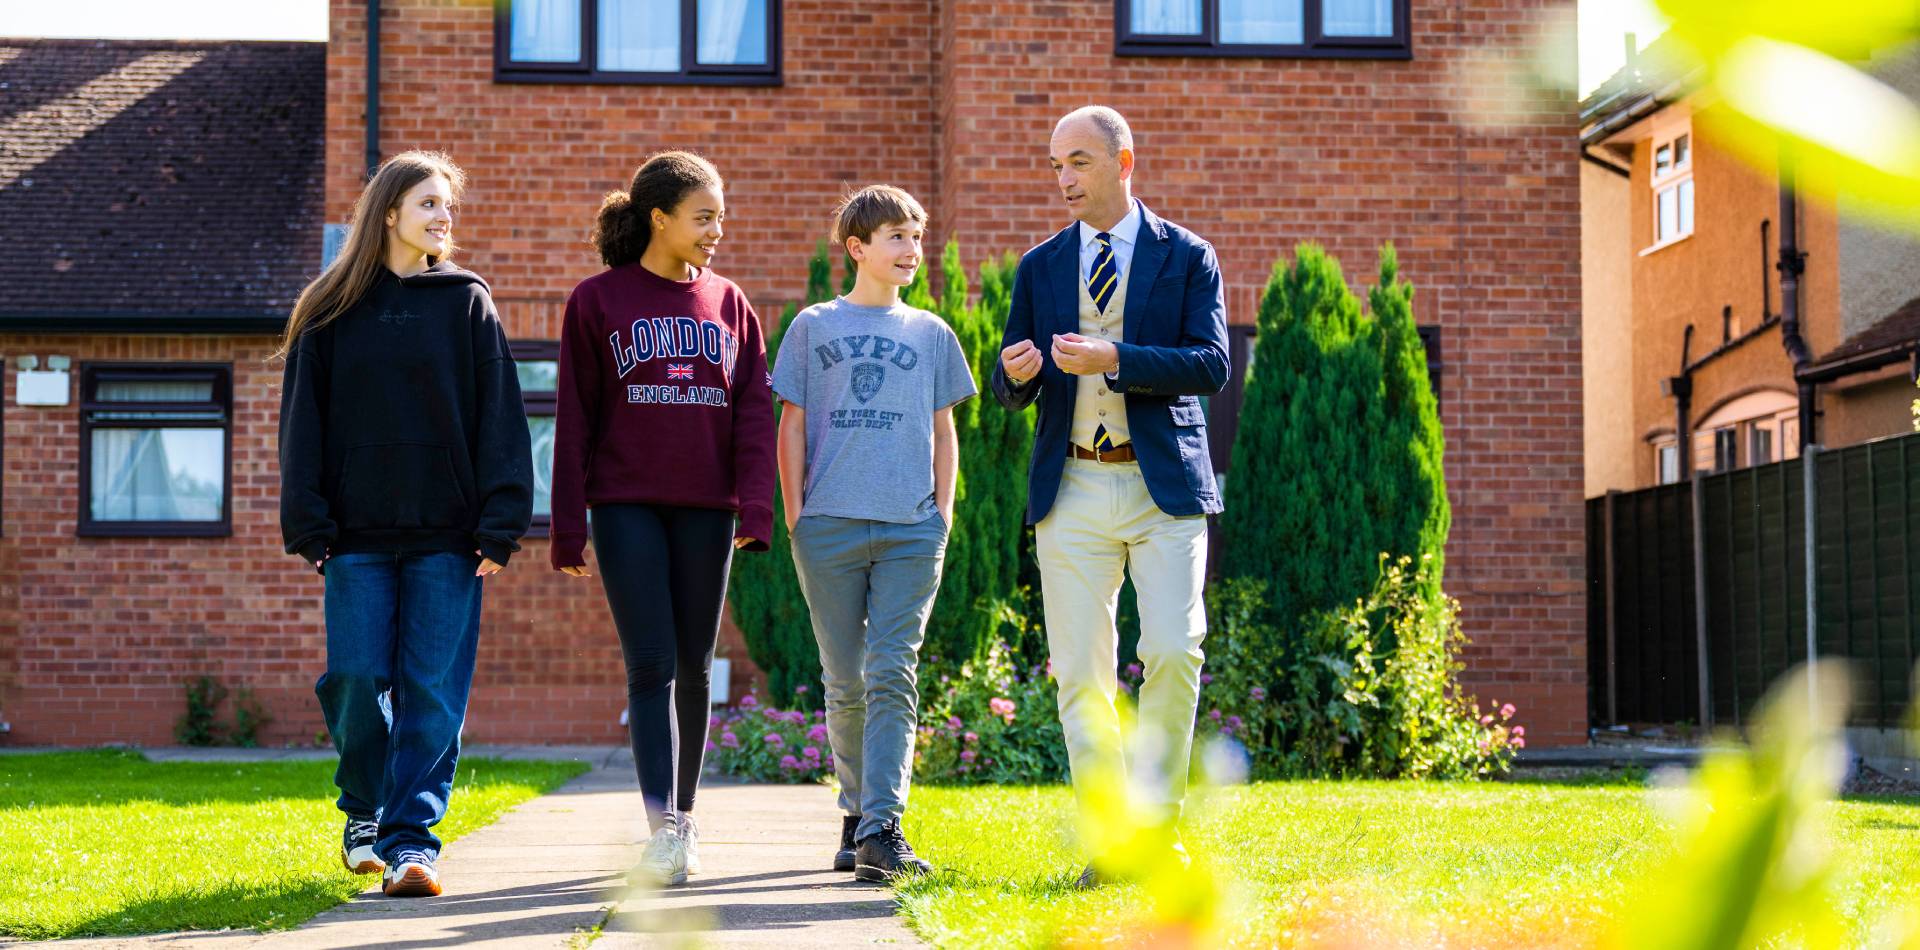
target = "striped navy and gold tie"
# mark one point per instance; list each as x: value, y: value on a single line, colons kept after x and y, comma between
x: 1100, y: 284
x: 1105, y: 274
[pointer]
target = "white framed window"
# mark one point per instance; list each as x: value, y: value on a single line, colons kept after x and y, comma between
x: 1759, y: 444
x: 1672, y: 188
x: 1666, y: 460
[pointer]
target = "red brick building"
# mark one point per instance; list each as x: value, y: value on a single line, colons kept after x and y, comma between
x: 1348, y: 122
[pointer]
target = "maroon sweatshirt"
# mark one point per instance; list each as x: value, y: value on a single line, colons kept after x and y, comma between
x: 664, y: 399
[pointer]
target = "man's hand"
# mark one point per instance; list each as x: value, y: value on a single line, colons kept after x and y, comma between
x: 1022, y: 362
x: 579, y: 571
x: 1083, y: 356
x: 739, y: 543
x: 487, y: 567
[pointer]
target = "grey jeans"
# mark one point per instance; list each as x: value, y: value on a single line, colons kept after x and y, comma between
x: 870, y: 586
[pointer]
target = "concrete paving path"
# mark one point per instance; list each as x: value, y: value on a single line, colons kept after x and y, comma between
x: 551, y: 873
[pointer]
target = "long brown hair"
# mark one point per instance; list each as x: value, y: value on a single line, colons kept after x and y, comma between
x: 354, y: 270
x: 623, y: 228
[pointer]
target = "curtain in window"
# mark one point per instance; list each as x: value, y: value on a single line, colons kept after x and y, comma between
x: 1167, y: 17
x: 639, y: 35
x: 1262, y: 21
x: 733, y: 32
x: 1357, y: 17
x: 545, y: 31
x: 157, y: 474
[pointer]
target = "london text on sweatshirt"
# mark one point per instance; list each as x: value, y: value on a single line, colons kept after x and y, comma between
x: 663, y: 399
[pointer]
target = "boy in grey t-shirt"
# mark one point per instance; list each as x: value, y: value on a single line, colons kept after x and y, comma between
x: 867, y: 470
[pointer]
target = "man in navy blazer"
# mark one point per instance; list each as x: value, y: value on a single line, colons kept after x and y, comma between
x: 1118, y: 325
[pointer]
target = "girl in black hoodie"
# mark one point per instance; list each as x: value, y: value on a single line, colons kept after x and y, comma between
x: 406, y: 476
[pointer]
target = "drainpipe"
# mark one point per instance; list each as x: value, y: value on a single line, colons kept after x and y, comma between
x: 1793, y: 263
x: 373, y: 87
x: 1681, y: 389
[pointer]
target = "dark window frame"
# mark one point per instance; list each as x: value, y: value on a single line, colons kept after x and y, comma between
x: 92, y: 373
x: 1315, y: 44
x: 585, y: 71
x: 540, y: 403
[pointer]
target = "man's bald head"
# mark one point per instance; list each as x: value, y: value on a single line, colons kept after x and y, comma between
x: 1110, y: 125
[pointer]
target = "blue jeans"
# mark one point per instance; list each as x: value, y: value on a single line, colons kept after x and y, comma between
x: 870, y: 587
x: 408, y: 623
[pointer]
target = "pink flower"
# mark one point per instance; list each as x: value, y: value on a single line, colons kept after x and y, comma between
x: 1486, y: 720
x: 1519, y: 743
x: 749, y: 700
x: 1002, y: 707
x: 773, y: 739
x: 789, y: 762
x: 800, y: 690
x: 954, y: 723
x: 971, y: 737
x: 1519, y: 731
x: 818, y: 733
x: 1506, y: 712
x: 710, y: 747
x: 729, y: 740
x: 713, y: 721
x: 1213, y: 714
x: 1133, y: 669
x: 811, y: 752
x: 968, y: 756
x: 1259, y: 694
x: 1206, y: 679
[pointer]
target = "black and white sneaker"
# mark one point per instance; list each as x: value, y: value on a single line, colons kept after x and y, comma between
x: 885, y: 856
x: 356, y: 846
x: 843, y: 859
x: 411, y: 874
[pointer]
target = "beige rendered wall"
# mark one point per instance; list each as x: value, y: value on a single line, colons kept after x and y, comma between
x: 1606, y: 339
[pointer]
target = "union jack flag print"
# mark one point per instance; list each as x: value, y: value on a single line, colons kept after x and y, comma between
x: 679, y: 370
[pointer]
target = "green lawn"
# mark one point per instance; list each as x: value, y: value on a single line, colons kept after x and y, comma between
x: 104, y: 842
x: 1357, y: 863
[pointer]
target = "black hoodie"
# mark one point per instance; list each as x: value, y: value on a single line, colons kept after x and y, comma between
x: 401, y: 426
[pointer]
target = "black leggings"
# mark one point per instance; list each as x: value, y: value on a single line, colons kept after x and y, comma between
x: 665, y: 573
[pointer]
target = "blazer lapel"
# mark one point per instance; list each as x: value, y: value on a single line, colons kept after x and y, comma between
x: 1065, y: 265
x: 1150, y: 249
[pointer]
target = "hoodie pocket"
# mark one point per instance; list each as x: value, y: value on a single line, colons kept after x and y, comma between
x: 401, y: 485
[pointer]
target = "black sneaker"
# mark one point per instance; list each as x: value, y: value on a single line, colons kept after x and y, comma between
x: 843, y: 858
x: 356, y: 846
x: 885, y: 855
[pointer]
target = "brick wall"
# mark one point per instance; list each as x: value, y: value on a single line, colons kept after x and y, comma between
x: 1479, y: 194
x: 954, y: 101
x: 98, y: 635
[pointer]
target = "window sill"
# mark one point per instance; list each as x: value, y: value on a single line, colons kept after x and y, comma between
x: 153, y: 529
x: 533, y: 77
x: 1663, y: 245
x: 1250, y: 51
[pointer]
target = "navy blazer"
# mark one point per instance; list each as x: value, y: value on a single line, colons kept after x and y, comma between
x: 1173, y: 350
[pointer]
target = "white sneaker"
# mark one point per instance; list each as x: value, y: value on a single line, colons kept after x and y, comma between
x: 664, y: 862
x: 411, y: 874
x: 690, y: 840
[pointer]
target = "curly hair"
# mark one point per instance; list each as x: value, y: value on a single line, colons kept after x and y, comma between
x: 621, y: 231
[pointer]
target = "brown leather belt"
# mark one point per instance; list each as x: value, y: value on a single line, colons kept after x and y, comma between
x: 1123, y: 453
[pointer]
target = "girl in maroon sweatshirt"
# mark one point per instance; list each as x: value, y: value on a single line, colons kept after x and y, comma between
x: 665, y: 430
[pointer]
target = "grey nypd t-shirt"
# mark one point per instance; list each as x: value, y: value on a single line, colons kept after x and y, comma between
x: 870, y: 380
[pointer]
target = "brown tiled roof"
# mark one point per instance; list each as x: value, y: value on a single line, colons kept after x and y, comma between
x: 1900, y: 326
x: 166, y: 183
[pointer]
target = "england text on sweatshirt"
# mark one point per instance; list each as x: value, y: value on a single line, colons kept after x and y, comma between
x: 664, y: 399
x: 402, y: 427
